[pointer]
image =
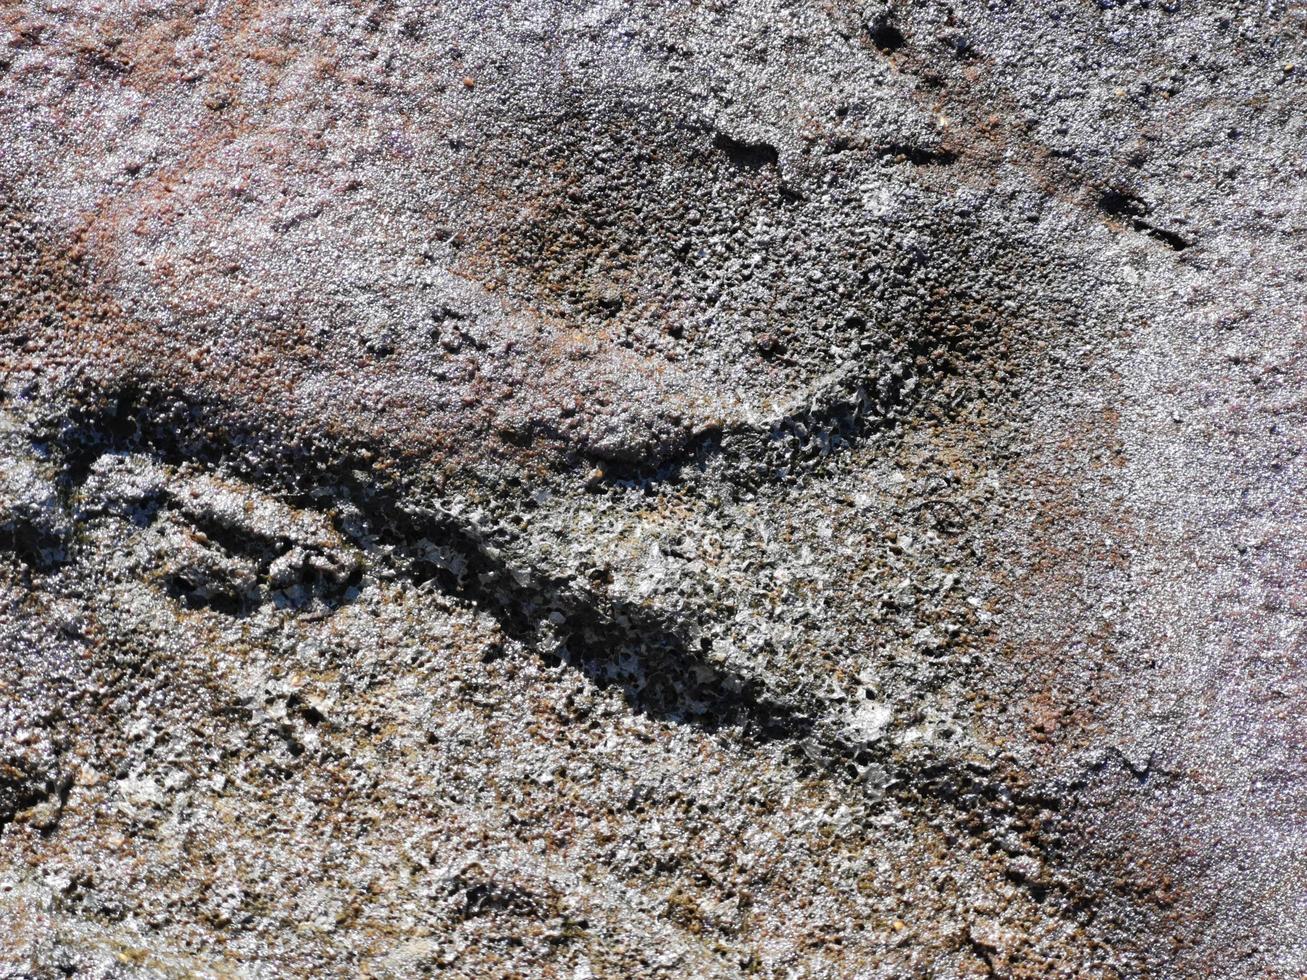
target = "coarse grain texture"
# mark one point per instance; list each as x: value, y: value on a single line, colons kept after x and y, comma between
x: 652, y: 489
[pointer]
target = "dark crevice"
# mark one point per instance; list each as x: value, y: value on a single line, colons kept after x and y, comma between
x: 1121, y: 205
x: 39, y: 550
x: 746, y: 155
x: 1168, y: 238
x: 234, y: 539
x: 655, y: 659
x: 665, y: 675
x: 1129, y: 209
x: 875, y: 397
x: 26, y: 782
x: 193, y: 595
x: 984, y: 952
x: 884, y: 35
x: 919, y: 156
x: 834, y: 419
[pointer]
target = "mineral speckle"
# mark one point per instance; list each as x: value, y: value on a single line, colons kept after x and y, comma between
x: 707, y: 489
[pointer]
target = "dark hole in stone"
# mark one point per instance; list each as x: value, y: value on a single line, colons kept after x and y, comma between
x: 1168, y: 238
x: 1129, y: 209
x: 312, y: 715
x: 751, y: 156
x: 1116, y: 204
x: 918, y: 156
x: 885, y: 35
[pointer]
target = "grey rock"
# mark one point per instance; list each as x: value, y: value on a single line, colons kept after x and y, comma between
x: 645, y: 490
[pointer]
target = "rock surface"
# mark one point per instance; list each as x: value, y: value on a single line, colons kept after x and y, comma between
x: 711, y: 489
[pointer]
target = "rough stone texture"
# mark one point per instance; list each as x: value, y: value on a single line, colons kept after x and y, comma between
x: 652, y: 489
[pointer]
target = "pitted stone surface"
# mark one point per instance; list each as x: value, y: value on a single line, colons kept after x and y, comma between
x: 790, y: 489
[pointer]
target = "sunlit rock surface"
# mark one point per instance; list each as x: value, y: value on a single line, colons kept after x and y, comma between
x: 633, y: 489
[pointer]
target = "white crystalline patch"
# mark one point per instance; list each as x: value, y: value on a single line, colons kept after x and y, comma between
x: 143, y: 792
x: 870, y: 719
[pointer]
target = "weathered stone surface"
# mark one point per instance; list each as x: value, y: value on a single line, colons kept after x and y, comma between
x: 786, y: 489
